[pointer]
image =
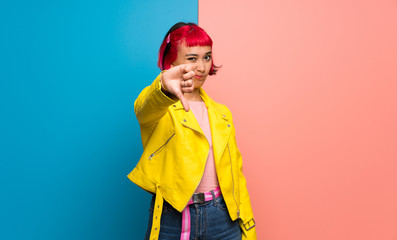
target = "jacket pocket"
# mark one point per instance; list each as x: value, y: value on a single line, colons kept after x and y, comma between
x: 161, y: 148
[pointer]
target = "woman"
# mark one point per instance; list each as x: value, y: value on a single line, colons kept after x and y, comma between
x: 190, y: 162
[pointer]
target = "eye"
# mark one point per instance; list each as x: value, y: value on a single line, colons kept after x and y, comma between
x: 208, y: 57
x: 192, y: 59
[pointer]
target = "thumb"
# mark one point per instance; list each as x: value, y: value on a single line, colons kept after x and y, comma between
x: 183, y: 100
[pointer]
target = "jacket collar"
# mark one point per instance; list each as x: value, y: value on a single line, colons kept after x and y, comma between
x: 209, y: 103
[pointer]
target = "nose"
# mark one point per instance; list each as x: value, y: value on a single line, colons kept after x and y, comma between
x: 200, y: 67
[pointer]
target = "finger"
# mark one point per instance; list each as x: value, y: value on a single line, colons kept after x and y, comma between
x: 188, y: 75
x: 194, y: 66
x: 188, y: 89
x: 191, y: 88
x: 188, y: 67
x: 189, y: 83
x: 185, y: 68
x: 186, y: 83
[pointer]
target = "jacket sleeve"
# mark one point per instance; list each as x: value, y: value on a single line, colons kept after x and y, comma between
x: 246, y: 220
x: 152, y: 104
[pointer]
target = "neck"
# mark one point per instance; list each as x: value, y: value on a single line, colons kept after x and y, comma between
x: 193, y: 96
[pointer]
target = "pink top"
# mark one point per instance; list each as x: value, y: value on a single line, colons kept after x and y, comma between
x: 209, y: 181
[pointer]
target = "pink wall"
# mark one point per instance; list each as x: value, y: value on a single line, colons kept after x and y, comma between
x: 312, y: 86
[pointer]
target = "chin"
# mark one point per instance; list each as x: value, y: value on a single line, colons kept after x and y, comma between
x: 198, y: 84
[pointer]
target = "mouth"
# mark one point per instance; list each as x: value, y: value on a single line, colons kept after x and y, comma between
x: 198, y: 77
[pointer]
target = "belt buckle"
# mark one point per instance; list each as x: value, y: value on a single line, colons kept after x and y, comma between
x: 249, y: 224
x: 198, y: 197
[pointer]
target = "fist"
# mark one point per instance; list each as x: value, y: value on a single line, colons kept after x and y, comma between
x: 177, y: 81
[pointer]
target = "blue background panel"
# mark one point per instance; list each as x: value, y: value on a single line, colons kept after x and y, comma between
x: 69, y: 74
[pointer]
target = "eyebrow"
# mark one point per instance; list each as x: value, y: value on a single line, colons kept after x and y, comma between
x: 195, y: 55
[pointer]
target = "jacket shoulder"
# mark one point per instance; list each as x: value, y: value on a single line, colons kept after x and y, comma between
x: 222, y: 109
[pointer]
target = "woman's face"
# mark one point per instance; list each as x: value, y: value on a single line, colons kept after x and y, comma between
x: 199, y: 57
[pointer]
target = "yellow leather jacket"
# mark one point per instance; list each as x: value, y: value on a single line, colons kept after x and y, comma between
x: 176, y: 151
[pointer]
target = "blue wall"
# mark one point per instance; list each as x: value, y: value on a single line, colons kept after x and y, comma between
x: 69, y: 74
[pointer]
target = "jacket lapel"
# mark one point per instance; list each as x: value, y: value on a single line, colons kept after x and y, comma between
x: 220, y: 131
x: 220, y: 127
x: 219, y: 123
x: 187, y: 119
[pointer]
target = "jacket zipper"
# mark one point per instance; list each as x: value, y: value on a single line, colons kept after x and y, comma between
x: 160, y: 148
x: 231, y: 167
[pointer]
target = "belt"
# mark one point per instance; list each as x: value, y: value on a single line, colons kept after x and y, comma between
x: 196, y: 198
x: 158, y: 209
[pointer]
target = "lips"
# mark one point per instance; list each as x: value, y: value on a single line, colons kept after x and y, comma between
x: 198, y: 77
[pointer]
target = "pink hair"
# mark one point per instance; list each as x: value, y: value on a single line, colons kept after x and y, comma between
x: 182, y: 33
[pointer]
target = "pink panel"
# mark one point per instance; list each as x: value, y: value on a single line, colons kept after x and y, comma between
x: 313, y: 89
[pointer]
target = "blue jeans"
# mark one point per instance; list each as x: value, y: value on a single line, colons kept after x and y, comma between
x: 209, y: 221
